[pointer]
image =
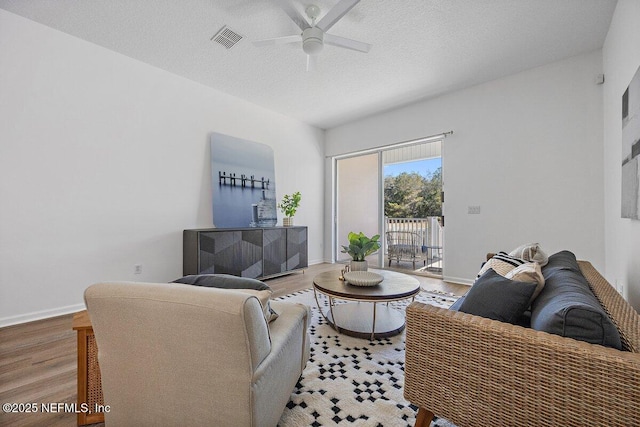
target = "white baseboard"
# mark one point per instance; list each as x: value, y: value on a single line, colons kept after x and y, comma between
x: 458, y: 280
x: 39, y: 315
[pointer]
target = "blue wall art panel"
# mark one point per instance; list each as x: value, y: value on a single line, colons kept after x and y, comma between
x: 243, y: 183
x: 631, y: 149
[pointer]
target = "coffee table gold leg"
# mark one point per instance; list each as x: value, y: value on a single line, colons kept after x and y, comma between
x: 373, y: 327
x: 333, y: 316
x: 315, y: 295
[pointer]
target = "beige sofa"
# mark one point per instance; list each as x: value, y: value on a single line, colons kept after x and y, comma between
x: 480, y: 372
x: 174, y: 354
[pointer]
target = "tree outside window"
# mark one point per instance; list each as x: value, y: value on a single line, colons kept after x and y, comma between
x: 413, y: 195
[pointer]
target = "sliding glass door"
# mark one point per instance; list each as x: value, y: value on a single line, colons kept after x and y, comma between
x: 396, y: 192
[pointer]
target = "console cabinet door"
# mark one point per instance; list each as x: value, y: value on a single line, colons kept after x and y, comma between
x: 297, y: 248
x: 236, y: 252
x: 275, y: 251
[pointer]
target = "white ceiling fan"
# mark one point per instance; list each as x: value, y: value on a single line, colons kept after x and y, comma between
x: 314, y: 35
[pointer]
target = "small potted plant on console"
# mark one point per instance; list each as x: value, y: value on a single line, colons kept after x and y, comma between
x: 289, y: 206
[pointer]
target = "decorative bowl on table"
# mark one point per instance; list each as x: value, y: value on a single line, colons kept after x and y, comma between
x: 362, y: 278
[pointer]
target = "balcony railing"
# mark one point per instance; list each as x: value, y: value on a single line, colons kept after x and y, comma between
x: 425, y: 239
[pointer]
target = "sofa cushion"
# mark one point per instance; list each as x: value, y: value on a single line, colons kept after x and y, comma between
x: 567, y: 306
x: 242, y: 284
x: 531, y: 252
x: 498, y: 298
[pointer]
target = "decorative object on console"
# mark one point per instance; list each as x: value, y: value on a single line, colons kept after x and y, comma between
x: 631, y: 149
x: 289, y: 206
x: 360, y: 246
x: 243, y: 183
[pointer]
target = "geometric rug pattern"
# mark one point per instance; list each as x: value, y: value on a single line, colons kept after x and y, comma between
x: 351, y: 381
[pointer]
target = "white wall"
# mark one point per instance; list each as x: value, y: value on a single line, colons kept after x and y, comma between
x: 357, y: 201
x: 104, y: 161
x: 527, y: 148
x: 621, y: 59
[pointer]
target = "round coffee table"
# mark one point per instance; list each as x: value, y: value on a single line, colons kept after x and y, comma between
x: 361, y: 317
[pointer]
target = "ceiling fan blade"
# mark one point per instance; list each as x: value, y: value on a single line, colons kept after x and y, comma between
x: 346, y: 43
x: 293, y: 14
x: 336, y: 12
x: 312, y: 62
x: 278, y: 40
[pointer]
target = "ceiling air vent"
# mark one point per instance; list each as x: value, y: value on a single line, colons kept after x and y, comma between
x: 227, y: 37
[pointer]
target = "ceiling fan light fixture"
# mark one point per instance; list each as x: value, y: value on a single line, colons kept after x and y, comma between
x: 312, y: 12
x: 312, y: 40
x: 314, y: 36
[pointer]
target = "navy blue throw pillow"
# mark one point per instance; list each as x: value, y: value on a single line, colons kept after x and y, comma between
x: 495, y: 297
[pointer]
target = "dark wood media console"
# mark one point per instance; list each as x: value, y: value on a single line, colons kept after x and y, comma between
x: 245, y: 252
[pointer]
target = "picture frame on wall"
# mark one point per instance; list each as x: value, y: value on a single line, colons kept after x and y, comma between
x: 242, y: 183
x: 631, y: 149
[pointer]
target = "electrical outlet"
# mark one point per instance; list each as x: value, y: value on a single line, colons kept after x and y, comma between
x: 620, y: 287
x: 137, y: 269
x: 473, y: 210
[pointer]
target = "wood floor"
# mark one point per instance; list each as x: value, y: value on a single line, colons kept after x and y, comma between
x: 38, y: 359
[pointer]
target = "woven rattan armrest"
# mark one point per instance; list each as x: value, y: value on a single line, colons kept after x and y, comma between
x: 478, y: 372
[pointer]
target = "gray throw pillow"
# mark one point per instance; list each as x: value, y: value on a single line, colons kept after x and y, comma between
x: 242, y: 284
x: 223, y: 281
x: 495, y: 297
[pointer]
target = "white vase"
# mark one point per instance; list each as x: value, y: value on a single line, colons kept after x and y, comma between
x: 287, y: 221
x: 359, y: 265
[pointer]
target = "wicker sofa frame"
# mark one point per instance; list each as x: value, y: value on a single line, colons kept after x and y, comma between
x: 478, y: 372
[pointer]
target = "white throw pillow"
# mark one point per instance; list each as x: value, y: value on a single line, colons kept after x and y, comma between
x: 531, y: 252
x: 529, y: 272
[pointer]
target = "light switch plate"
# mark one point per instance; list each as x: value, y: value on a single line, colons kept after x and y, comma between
x: 473, y: 210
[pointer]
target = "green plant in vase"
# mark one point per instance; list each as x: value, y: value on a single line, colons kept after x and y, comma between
x: 360, y: 246
x: 288, y: 206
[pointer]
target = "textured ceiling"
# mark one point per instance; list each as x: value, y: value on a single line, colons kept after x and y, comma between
x: 421, y: 48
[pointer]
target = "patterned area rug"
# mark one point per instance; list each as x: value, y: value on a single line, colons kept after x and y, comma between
x: 351, y: 381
